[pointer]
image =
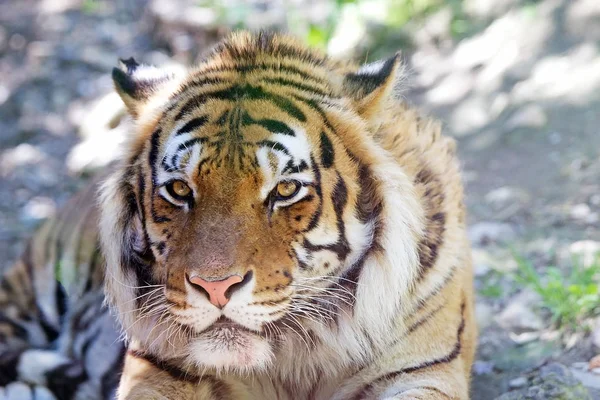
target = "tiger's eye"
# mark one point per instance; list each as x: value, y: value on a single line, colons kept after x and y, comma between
x: 181, y: 189
x: 287, y: 189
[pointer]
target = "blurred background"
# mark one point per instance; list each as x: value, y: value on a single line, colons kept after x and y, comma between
x: 516, y: 82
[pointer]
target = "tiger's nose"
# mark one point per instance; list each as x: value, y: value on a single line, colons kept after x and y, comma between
x: 219, y: 291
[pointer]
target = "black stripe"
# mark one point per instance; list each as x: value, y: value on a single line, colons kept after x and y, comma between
x: 192, y: 125
x: 433, y: 237
x: 9, y: 359
x: 61, y: 300
x: 423, y: 302
x: 248, y: 92
x: 160, y: 219
x: 451, y: 356
x: 338, y: 248
x: 264, y: 66
x: 63, y: 381
x: 95, y: 258
x: 369, y: 203
x: 174, y: 371
x: 202, y: 81
x: 274, y: 146
x: 29, y: 268
x: 426, y: 388
x: 153, y: 154
x: 339, y: 198
x: 327, y: 152
x: 220, y: 390
x: 314, y: 220
x: 298, y: 85
x: 271, y: 125
x: 314, y: 105
x: 17, y: 329
x: 291, y: 167
x: 185, y: 146
x: 424, y: 319
x: 112, y: 376
x: 50, y: 331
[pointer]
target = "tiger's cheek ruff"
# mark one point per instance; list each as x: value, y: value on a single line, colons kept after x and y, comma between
x: 390, y: 273
x: 120, y: 282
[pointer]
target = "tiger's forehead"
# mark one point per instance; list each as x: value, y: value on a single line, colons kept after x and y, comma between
x: 246, y: 136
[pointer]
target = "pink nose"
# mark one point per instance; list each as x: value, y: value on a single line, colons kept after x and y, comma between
x: 217, y: 290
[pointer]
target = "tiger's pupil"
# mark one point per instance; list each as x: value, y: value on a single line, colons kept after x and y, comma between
x: 181, y: 189
x: 286, y: 189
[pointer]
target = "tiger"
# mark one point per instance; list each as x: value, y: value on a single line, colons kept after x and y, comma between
x: 280, y: 225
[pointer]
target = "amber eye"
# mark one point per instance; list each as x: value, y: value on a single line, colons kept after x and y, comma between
x: 287, y: 189
x: 179, y: 190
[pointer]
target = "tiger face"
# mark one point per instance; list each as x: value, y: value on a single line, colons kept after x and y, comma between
x: 245, y: 208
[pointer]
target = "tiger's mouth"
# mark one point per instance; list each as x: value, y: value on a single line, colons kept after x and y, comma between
x: 228, y: 345
x: 229, y: 327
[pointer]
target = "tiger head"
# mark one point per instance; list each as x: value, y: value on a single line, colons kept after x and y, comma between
x: 250, y: 202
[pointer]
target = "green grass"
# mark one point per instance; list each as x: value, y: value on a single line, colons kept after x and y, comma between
x: 90, y: 7
x: 570, y: 298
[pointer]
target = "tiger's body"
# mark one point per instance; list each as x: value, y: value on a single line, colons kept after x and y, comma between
x: 281, y: 227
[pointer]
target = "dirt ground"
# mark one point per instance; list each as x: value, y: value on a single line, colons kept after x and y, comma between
x: 521, y: 94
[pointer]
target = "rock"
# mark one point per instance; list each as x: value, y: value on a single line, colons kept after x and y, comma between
x: 518, y: 316
x: 20, y: 156
x: 483, y: 367
x: 483, y: 315
x: 517, y: 382
x: 532, y: 116
x: 505, y: 195
x: 583, y: 213
x: 588, y: 252
x: 551, y: 382
x: 481, y: 269
x: 525, y: 337
x: 39, y: 208
x: 587, y: 378
x: 580, y: 365
x: 485, y: 232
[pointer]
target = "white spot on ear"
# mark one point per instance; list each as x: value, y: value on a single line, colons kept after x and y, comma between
x: 373, y: 68
x: 150, y: 73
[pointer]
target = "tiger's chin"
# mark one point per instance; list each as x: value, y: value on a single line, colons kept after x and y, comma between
x: 230, y: 349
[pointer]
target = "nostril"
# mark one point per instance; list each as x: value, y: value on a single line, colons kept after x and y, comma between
x: 237, y: 286
x: 196, y: 286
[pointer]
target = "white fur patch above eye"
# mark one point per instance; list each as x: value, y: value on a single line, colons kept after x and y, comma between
x: 297, y: 151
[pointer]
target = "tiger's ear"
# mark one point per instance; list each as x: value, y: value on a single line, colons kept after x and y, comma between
x: 372, y: 84
x: 136, y: 83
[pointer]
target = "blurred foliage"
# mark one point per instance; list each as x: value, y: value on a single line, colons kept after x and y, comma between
x: 90, y: 6
x: 384, y: 19
x: 570, y: 298
x: 491, y: 286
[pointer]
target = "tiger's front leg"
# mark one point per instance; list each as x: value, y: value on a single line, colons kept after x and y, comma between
x: 145, y: 378
x: 438, y: 383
